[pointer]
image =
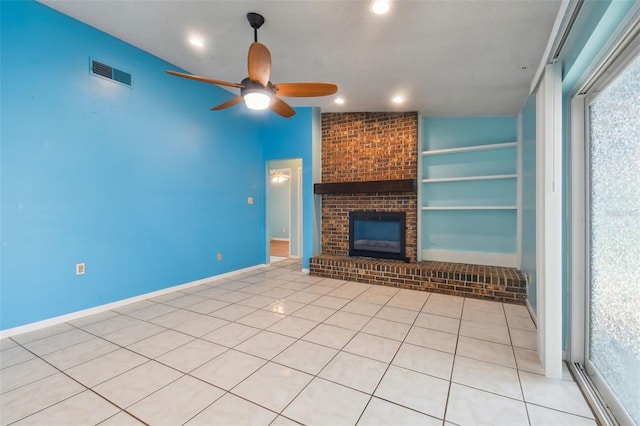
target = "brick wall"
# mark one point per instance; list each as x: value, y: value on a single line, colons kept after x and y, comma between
x: 335, y: 218
x: 367, y: 146
x: 506, y: 285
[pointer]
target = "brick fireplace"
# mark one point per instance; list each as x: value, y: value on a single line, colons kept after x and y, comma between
x: 369, y: 163
x: 367, y: 147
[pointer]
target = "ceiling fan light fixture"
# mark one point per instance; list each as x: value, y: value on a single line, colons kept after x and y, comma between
x: 257, y: 100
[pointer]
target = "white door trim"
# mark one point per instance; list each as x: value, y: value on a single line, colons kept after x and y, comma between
x: 299, y: 195
x: 577, y: 230
x: 519, y: 196
x: 549, y: 220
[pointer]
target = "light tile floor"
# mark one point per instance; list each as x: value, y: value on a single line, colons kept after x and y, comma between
x: 276, y: 347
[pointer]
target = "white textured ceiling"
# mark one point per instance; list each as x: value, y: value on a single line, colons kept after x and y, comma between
x: 448, y: 58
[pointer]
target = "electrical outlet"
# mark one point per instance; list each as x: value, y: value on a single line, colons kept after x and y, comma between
x: 80, y: 268
x: 250, y: 200
x: 219, y: 256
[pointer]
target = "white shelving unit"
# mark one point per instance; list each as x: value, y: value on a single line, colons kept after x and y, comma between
x: 469, y: 208
x: 462, y: 193
x: 471, y: 148
x: 469, y: 178
x: 457, y: 177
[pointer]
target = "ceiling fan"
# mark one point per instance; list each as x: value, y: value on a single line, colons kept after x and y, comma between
x: 256, y: 90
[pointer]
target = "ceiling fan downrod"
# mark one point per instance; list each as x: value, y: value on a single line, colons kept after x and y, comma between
x: 255, y: 20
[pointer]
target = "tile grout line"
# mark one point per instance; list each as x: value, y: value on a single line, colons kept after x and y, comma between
x: 453, y: 364
x: 337, y: 353
x: 230, y: 391
x: 515, y: 359
x: 86, y: 388
x: 225, y: 392
x: 316, y: 376
x: 124, y: 372
x: 391, y: 362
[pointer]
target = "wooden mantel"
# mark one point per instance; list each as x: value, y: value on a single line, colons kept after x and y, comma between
x: 366, y: 187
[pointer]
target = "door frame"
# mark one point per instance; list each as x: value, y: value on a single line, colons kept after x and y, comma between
x: 268, y: 237
x: 294, y: 172
x: 299, y: 213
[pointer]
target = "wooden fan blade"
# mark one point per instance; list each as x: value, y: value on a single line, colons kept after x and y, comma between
x: 227, y: 104
x: 203, y: 79
x: 281, y: 107
x: 259, y: 60
x: 305, y: 89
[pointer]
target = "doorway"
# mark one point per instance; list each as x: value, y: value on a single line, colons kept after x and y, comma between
x: 284, y: 210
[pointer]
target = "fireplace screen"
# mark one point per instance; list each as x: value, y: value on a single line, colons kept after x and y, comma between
x: 377, y: 234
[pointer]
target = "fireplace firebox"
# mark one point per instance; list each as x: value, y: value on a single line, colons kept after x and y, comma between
x: 377, y: 234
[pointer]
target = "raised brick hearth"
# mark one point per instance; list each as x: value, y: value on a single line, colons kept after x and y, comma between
x: 366, y: 147
x: 458, y: 279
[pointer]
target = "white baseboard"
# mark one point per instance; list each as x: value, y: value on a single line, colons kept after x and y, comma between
x: 279, y: 239
x: 305, y: 271
x: 102, y: 308
x: 534, y: 317
x: 471, y: 257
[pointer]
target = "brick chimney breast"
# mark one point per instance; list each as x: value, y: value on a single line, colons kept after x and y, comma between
x: 367, y: 146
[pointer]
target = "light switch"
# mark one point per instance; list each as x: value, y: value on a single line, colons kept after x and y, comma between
x: 250, y: 200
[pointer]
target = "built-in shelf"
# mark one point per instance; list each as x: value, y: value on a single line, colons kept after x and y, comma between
x: 468, y: 191
x: 366, y: 187
x: 469, y: 178
x: 470, y: 208
x: 470, y: 148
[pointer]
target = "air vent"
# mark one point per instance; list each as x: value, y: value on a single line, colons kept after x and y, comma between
x: 108, y: 72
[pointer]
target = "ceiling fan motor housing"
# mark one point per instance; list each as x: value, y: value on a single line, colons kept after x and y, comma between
x: 255, y: 86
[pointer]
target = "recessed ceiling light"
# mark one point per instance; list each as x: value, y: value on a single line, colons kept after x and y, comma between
x: 339, y: 101
x: 196, y: 41
x: 380, y: 7
x: 398, y: 99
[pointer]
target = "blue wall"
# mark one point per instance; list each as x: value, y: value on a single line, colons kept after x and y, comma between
x: 528, y: 197
x: 143, y: 184
x: 442, y: 133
